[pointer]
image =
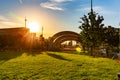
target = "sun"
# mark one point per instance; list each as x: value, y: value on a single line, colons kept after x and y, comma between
x: 33, y: 26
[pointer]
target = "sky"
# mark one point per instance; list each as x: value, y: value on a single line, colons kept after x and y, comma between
x: 56, y: 15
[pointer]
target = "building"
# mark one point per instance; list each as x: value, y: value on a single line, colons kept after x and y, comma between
x: 15, y: 38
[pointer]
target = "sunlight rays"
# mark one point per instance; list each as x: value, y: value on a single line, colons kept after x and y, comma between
x: 33, y: 26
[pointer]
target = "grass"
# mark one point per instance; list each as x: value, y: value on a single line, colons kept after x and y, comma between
x: 56, y: 66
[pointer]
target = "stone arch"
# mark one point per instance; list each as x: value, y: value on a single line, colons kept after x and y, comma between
x: 62, y: 36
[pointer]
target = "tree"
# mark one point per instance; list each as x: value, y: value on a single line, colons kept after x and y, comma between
x: 111, y: 36
x: 92, y: 30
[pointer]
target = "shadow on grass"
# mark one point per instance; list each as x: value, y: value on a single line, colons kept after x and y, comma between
x: 57, y: 56
x: 5, y: 56
x: 77, y: 53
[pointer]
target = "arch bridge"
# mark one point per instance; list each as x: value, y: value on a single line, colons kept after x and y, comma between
x: 63, y: 36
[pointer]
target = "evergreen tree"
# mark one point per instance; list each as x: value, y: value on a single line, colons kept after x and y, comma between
x: 92, y: 30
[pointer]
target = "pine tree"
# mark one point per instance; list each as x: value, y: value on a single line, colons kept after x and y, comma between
x: 92, y: 30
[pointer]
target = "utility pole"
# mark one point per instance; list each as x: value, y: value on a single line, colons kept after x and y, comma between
x: 91, y: 6
x: 42, y: 31
x: 25, y: 21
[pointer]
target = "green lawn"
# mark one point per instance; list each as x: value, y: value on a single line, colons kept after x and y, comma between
x: 56, y: 66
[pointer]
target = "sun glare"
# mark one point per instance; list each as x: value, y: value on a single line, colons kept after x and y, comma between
x: 33, y: 26
x: 78, y: 49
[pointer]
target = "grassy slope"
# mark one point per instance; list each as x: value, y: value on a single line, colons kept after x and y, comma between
x: 56, y: 66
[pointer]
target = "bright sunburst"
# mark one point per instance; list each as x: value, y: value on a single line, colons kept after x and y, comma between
x: 33, y: 26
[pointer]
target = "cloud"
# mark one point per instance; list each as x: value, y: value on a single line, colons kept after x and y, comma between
x: 54, y: 4
x: 5, y: 22
x: 50, y: 5
x: 2, y: 18
x: 97, y: 9
x: 21, y: 2
x: 10, y: 24
x: 59, y: 1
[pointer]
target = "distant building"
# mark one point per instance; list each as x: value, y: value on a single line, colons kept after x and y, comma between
x: 15, y: 38
x: 14, y: 31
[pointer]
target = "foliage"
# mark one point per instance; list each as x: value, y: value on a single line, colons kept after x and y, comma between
x: 56, y: 66
x: 111, y: 36
x: 94, y: 35
x: 92, y: 30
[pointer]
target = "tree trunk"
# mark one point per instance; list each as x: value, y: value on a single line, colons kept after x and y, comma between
x: 83, y: 48
x: 91, y: 51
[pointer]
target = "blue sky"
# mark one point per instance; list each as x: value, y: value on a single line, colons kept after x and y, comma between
x: 56, y: 15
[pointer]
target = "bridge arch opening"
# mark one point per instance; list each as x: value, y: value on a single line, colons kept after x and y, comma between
x: 65, y: 38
